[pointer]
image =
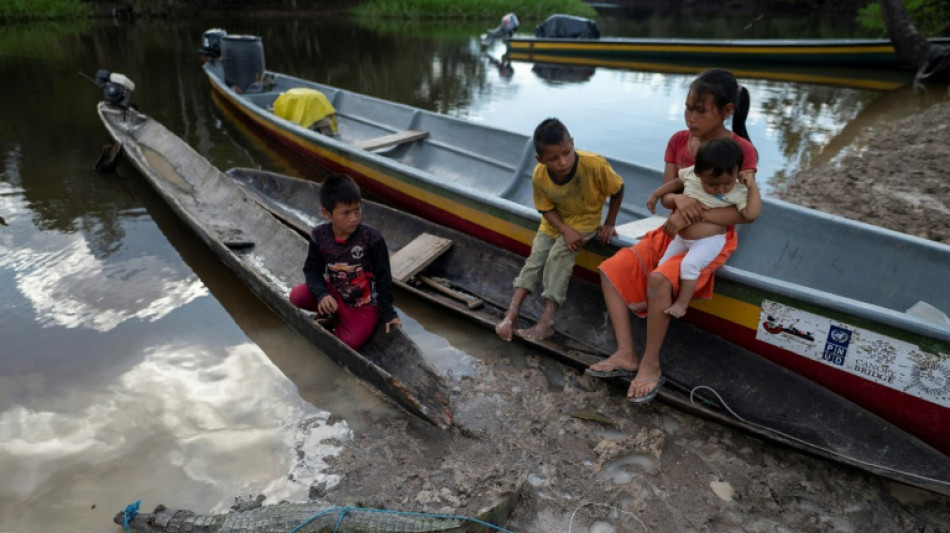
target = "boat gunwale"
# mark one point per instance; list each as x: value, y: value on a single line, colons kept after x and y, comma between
x: 864, y: 310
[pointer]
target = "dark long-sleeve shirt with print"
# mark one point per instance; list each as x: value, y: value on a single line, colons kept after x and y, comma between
x: 358, y: 268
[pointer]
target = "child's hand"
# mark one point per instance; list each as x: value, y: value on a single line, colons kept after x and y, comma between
x: 651, y: 203
x: 676, y: 222
x: 327, y: 305
x: 606, y: 232
x: 573, y: 239
x: 747, y: 178
x: 393, y: 323
x: 691, y: 208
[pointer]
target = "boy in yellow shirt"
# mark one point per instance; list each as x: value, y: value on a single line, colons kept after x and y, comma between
x: 569, y: 188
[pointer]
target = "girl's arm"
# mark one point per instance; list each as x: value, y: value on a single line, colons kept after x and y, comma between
x: 723, y: 216
x: 753, y: 206
x: 670, y: 172
x: 691, y: 208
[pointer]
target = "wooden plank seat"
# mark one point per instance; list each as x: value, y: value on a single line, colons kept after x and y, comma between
x: 416, y: 255
x: 393, y: 139
x: 638, y: 228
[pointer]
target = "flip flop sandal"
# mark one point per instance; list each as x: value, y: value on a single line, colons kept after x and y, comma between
x: 646, y: 398
x: 615, y: 372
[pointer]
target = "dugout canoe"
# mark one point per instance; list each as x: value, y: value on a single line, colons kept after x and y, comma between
x: 268, y: 257
x: 859, y: 310
x: 707, y: 376
x: 731, y: 53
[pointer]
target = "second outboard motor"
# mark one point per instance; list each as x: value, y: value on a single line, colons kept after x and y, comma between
x: 509, y: 23
x: 116, y: 88
x: 211, y: 43
x: 243, y: 60
x: 567, y: 27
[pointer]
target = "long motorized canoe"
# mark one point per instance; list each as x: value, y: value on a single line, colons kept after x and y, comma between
x: 709, y: 377
x: 268, y: 257
x: 876, y: 53
x: 855, y: 308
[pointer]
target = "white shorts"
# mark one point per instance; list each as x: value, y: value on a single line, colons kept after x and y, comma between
x: 699, y: 253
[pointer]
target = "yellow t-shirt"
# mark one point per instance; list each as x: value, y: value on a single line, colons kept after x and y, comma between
x: 693, y: 188
x: 580, y: 201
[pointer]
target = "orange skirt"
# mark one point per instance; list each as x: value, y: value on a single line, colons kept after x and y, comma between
x: 629, y: 268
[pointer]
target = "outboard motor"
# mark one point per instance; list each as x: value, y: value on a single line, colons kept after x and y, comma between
x: 509, y: 23
x: 116, y: 88
x: 243, y: 60
x: 211, y: 43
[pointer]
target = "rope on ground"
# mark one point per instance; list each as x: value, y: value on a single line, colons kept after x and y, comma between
x: 812, y: 445
x: 570, y: 525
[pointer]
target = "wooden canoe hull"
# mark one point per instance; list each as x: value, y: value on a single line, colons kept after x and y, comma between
x: 876, y: 53
x: 268, y: 258
x: 773, y: 403
x: 794, y: 264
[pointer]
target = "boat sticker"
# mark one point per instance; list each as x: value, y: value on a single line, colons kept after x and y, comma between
x: 878, y: 358
x: 836, y: 347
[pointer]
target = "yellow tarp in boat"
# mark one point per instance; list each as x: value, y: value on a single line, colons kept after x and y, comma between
x: 305, y: 106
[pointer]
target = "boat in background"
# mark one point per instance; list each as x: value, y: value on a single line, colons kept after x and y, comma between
x: 754, y: 395
x: 268, y: 257
x: 731, y: 54
x: 857, y: 309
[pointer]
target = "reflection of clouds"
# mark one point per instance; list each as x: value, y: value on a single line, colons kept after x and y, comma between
x: 72, y: 288
x: 68, y: 286
x: 228, y: 422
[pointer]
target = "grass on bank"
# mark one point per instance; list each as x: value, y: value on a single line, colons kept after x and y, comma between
x: 471, y: 9
x: 42, y: 9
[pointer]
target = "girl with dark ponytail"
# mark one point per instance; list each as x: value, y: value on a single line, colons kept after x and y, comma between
x: 633, y: 280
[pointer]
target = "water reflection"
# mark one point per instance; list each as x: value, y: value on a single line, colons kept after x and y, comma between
x: 183, y: 417
x: 558, y: 74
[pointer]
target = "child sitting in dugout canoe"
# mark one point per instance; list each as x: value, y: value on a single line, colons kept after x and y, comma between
x: 569, y: 188
x: 347, y: 268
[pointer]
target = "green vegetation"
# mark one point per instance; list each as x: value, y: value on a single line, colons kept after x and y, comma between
x: 932, y: 17
x: 44, y: 41
x: 470, y: 9
x: 42, y: 9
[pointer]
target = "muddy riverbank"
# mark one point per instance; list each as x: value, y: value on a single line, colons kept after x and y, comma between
x: 595, y: 463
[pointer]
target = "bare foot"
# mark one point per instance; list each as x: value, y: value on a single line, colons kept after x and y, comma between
x: 647, y: 380
x: 619, y: 360
x: 676, y: 310
x: 505, y: 328
x: 538, y: 332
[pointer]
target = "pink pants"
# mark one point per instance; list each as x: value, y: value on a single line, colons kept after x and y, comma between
x: 356, y: 323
